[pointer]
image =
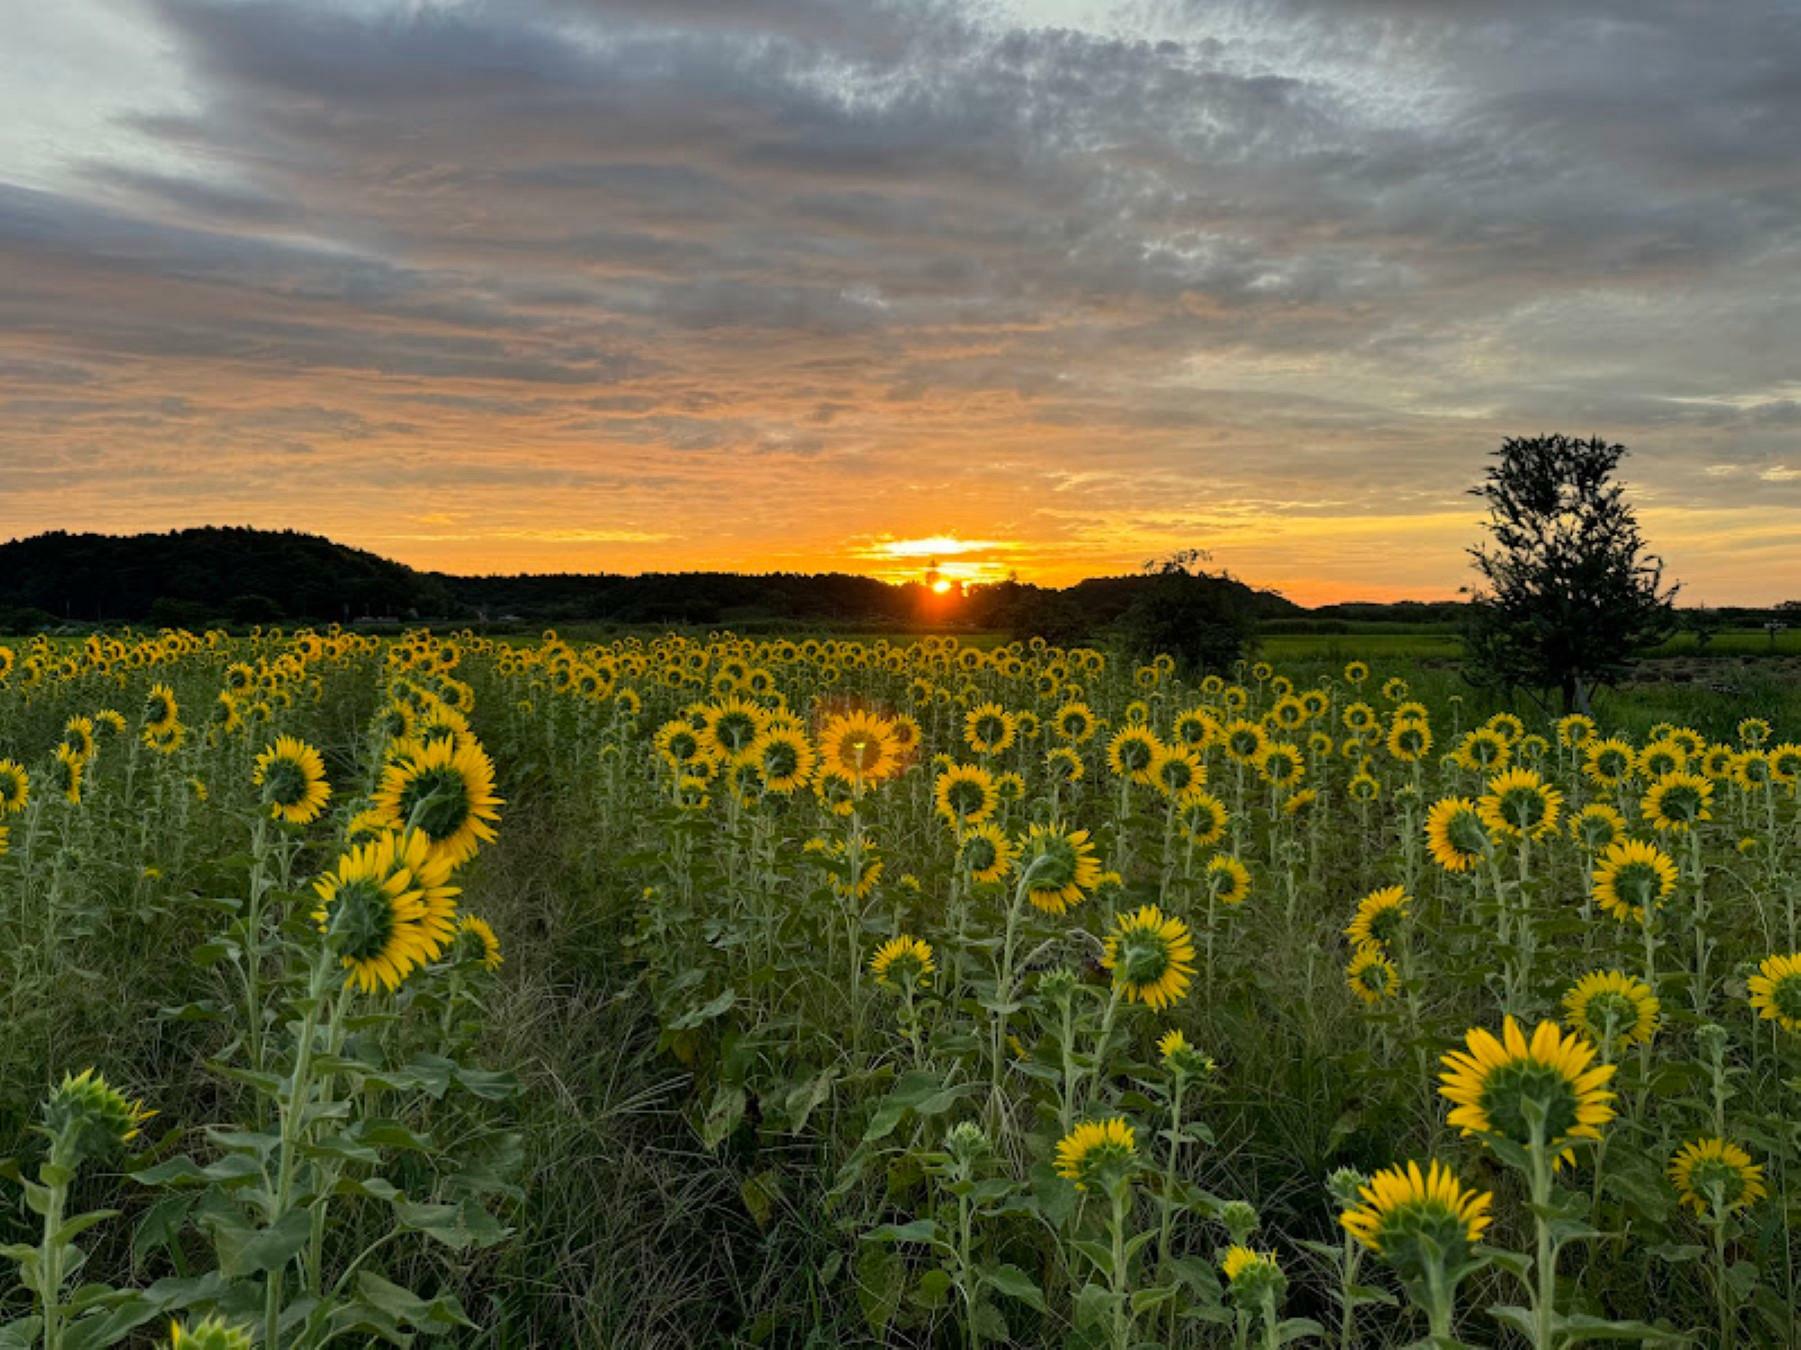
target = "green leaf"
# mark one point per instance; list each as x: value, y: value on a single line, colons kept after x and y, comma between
x: 919, y: 1230
x: 271, y: 1247
x: 1015, y: 1283
x: 406, y: 1307
x: 1094, y: 1306
x: 715, y: 1007
x: 459, y: 1227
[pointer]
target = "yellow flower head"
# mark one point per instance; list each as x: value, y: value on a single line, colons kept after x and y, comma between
x: 1151, y: 956
x: 1371, y: 975
x: 388, y: 907
x: 1520, y: 804
x: 1060, y: 867
x: 1633, y: 877
x: 1380, y: 915
x: 902, y: 962
x: 1456, y: 837
x: 1612, y: 1009
x: 1491, y: 1081
x: 291, y: 775
x: 1414, y: 1219
x: 1714, y: 1174
x: 446, y: 791
x: 1776, y: 990
x: 1094, y: 1148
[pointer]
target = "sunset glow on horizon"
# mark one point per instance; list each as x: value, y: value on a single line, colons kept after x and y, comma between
x: 1022, y: 288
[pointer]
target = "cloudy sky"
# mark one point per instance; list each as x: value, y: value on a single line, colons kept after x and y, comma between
x: 1048, y: 285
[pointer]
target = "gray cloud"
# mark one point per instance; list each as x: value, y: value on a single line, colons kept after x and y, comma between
x: 1336, y: 246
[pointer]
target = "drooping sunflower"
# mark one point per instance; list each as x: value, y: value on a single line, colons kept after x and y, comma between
x: 66, y: 770
x: 388, y: 907
x: 902, y: 962
x: 784, y: 757
x: 1596, y: 826
x: 291, y: 775
x: 161, y: 711
x: 475, y: 938
x: 1677, y: 801
x: 1455, y: 834
x: 1060, y: 866
x: 1520, y: 804
x: 1228, y: 879
x: 1095, y: 1150
x: 1716, y: 1175
x: 91, y: 1117
x: 1632, y: 877
x: 78, y: 735
x: 990, y: 729
x: 1203, y: 816
x: 1419, y: 1220
x: 1776, y: 990
x: 1181, y: 1058
x: 1371, y: 975
x: 15, y: 787
x: 964, y: 794
x: 1490, y: 1081
x: 988, y: 853
x: 1608, y: 763
x: 1132, y: 752
x: 1380, y: 916
x: 861, y: 747
x: 1151, y: 955
x: 446, y: 791
x: 1612, y: 1009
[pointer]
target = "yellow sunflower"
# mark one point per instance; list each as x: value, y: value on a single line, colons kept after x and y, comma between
x: 1490, y: 1083
x: 1096, y: 1150
x: 964, y: 793
x: 1132, y: 752
x: 902, y: 962
x: 1416, y: 1220
x: 1776, y: 990
x: 784, y: 757
x: 1371, y: 975
x: 478, y: 941
x: 1203, y: 816
x: 1631, y: 877
x: 1677, y: 801
x: 446, y: 791
x: 1380, y: 916
x: 1520, y: 804
x: 1151, y: 956
x: 15, y: 787
x: 861, y: 747
x: 1059, y: 865
x: 988, y: 853
x: 989, y: 729
x: 1612, y: 1009
x: 1716, y: 1175
x: 292, y: 778
x: 1455, y: 835
x: 388, y: 907
x: 1608, y: 763
x: 1228, y: 879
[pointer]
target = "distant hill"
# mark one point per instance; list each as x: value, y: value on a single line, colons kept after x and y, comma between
x: 223, y: 574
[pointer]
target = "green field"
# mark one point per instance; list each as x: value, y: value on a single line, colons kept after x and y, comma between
x: 691, y: 1107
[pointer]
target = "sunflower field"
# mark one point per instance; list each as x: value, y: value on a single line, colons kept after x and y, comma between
x: 691, y: 990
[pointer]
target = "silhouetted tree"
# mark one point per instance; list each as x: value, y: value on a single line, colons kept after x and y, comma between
x: 1200, y: 618
x: 1571, y: 592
